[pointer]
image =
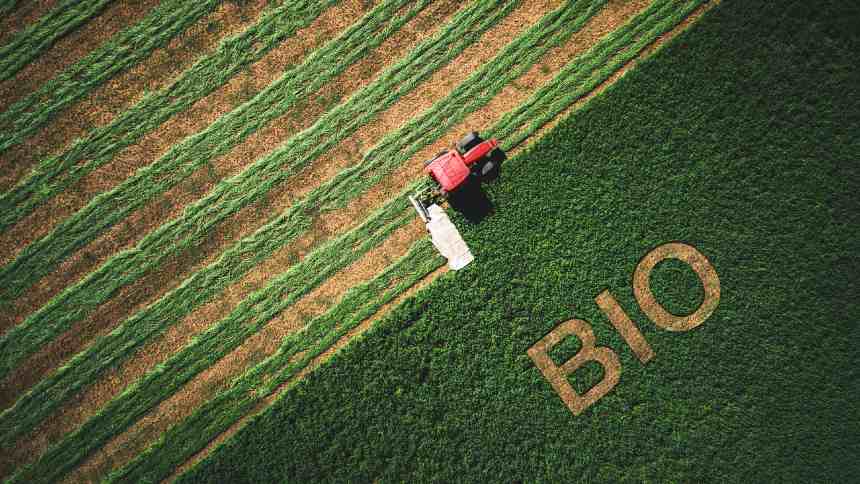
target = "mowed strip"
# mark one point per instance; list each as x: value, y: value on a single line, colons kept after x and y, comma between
x: 227, y: 197
x: 30, y: 42
x: 25, y: 117
x: 198, y: 393
x: 109, y: 388
x: 58, y: 173
x: 149, y: 288
x: 662, y: 21
x: 459, y: 25
x: 196, y: 290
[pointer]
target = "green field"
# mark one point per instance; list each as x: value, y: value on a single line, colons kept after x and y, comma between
x: 204, y: 316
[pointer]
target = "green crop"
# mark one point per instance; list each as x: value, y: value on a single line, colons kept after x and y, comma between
x: 57, y: 173
x: 729, y: 138
x: 122, y: 51
x: 27, y: 44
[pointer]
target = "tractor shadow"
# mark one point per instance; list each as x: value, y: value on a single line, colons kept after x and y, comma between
x: 471, y: 201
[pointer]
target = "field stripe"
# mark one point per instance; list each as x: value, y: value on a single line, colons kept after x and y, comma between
x: 227, y: 197
x: 125, y: 49
x: 217, y: 415
x: 57, y: 173
x: 30, y: 42
x: 215, y: 342
x: 209, y: 420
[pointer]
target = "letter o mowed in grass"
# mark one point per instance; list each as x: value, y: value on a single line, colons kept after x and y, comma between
x: 606, y: 357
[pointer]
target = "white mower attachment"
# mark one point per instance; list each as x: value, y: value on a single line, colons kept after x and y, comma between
x: 444, y: 235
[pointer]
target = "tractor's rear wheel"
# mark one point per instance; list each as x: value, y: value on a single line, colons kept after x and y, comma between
x: 489, y: 169
x: 468, y: 142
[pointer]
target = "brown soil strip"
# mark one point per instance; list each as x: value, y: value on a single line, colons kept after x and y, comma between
x: 313, y: 365
x: 148, y: 289
x: 105, y: 102
x: 170, y: 205
x: 25, y: 14
x: 73, y: 47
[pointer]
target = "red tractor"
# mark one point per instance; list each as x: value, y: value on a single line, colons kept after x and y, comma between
x: 472, y: 158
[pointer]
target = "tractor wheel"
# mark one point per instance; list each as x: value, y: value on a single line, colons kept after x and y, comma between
x: 468, y: 142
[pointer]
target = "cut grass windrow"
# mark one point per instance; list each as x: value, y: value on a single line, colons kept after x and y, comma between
x: 216, y: 342
x: 30, y: 42
x: 122, y: 51
x: 185, y: 439
x: 196, y: 431
x: 57, y: 173
x: 229, y: 195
